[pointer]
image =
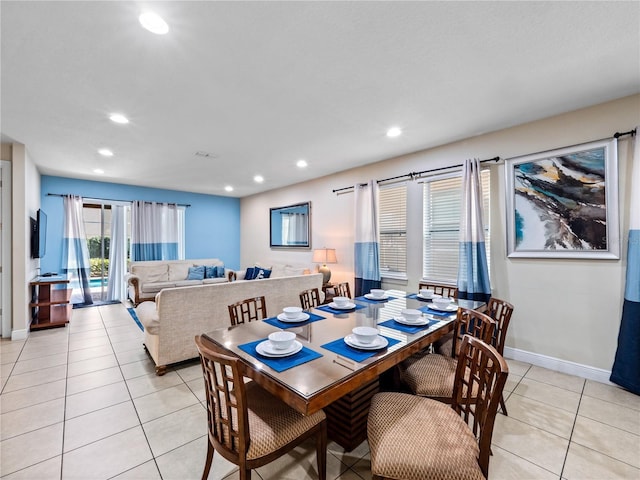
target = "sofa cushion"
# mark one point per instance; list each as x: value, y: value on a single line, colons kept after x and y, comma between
x: 156, y: 287
x: 208, y: 281
x: 196, y: 273
x: 179, y: 270
x: 152, y: 273
x: 188, y: 283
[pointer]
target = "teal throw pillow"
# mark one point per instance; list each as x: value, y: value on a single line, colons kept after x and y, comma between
x: 196, y: 273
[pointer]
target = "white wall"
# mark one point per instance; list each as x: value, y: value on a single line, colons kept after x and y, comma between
x: 25, y: 188
x: 579, y: 319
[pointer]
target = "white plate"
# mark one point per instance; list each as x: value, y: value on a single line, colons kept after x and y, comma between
x: 371, y: 297
x: 301, y: 318
x: 348, y: 306
x: 266, y: 349
x: 423, y: 321
x: 377, y: 344
x: 452, y: 307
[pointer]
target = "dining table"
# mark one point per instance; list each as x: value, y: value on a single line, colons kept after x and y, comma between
x: 329, y: 370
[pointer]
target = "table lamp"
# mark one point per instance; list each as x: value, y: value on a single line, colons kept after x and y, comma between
x: 324, y: 256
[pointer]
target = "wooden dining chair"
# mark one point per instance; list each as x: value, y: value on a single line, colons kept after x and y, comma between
x: 440, y: 289
x: 342, y: 290
x: 310, y: 298
x: 412, y: 437
x: 248, y: 310
x: 247, y: 425
x: 500, y: 311
x: 432, y: 375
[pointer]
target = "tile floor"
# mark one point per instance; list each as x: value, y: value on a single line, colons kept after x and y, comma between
x: 84, y: 402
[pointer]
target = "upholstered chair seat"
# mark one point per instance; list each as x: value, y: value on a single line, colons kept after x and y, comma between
x: 408, y: 435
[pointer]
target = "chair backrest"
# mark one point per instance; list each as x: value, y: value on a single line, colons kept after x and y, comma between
x: 342, y: 290
x: 248, y: 310
x: 483, y: 370
x: 309, y: 298
x: 474, y: 323
x: 227, y: 415
x: 500, y: 311
x: 440, y: 289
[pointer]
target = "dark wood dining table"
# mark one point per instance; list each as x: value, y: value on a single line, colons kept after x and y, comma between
x: 333, y: 382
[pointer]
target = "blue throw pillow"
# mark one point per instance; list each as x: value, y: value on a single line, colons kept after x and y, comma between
x: 220, y: 271
x: 262, y: 273
x: 210, y: 271
x: 196, y: 273
x: 250, y: 274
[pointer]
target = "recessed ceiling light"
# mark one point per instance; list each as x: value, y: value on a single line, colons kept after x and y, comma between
x: 258, y: 179
x: 394, y: 132
x: 229, y: 188
x: 301, y: 163
x: 118, y: 118
x: 99, y: 171
x: 154, y: 23
x: 105, y: 152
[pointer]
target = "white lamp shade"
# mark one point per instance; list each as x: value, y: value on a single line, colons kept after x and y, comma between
x: 325, y: 255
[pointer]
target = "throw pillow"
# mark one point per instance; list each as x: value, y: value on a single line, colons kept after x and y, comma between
x: 210, y: 271
x: 262, y: 273
x: 220, y: 271
x: 250, y: 274
x: 196, y: 273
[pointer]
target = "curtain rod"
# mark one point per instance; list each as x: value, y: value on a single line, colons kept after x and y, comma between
x: 187, y: 205
x: 414, y: 175
x: 630, y: 132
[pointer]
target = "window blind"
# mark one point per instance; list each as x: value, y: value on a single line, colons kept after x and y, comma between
x: 442, y: 200
x: 393, y: 229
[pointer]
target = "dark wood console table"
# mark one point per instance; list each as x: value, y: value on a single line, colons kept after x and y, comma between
x: 50, y: 302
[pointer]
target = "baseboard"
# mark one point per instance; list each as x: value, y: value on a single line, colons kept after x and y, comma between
x: 19, y: 334
x: 564, y: 366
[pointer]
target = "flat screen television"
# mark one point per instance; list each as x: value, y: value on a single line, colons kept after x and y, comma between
x: 39, y: 235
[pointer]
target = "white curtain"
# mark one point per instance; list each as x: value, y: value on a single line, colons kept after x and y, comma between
x: 117, y: 254
x: 154, y: 231
x: 75, y: 253
x: 473, y: 270
x: 367, y: 238
x: 294, y: 229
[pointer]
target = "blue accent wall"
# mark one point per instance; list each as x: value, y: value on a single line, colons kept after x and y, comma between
x: 212, y: 223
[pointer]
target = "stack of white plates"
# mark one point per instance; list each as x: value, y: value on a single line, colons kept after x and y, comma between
x: 266, y: 349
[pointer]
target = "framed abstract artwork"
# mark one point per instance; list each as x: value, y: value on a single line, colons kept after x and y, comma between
x: 564, y: 203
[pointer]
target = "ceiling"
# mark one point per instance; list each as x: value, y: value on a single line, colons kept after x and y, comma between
x: 260, y: 85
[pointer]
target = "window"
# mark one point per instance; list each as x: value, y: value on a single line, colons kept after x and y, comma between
x: 393, y: 231
x: 441, y: 210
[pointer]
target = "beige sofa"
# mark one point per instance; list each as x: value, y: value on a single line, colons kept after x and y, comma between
x: 146, y: 279
x: 181, y: 313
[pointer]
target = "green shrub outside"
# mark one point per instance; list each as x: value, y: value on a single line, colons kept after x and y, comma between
x: 96, y: 265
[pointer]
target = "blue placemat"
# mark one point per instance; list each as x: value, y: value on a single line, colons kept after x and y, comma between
x: 277, y: 323
x: 416, y: 297
x: 368, y: 300
x: 341, y: 348
x: 328, y: 309
x: 436, y: 313
x: 407, y: 328
x: 280, y: 364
